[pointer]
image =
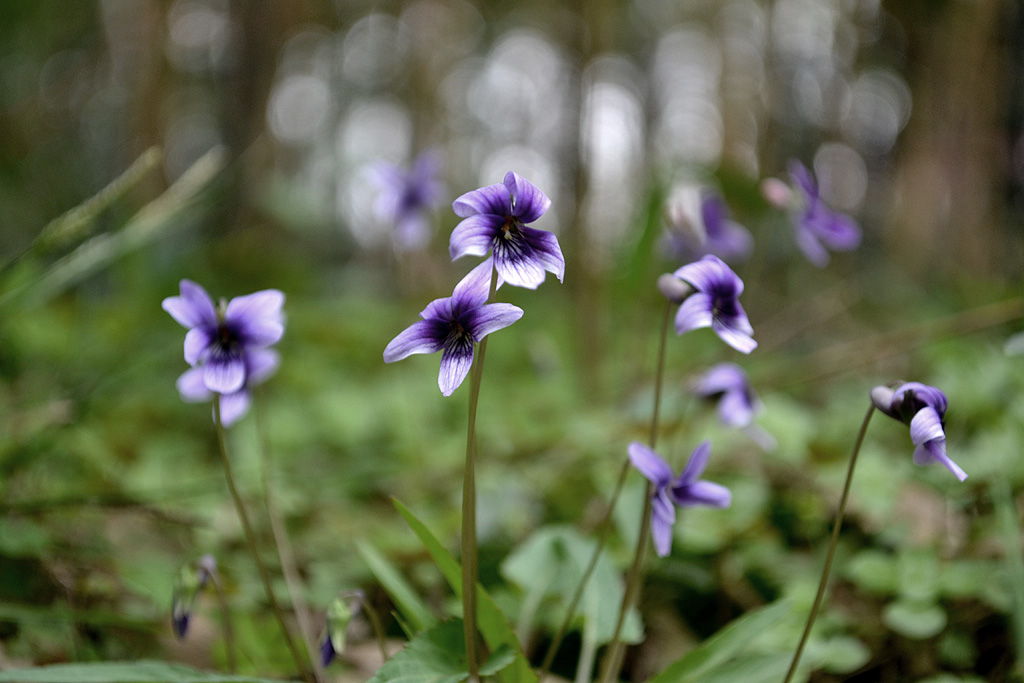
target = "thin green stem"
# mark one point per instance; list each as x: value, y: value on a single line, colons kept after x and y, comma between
x: 250, y: 538
x: 378, y: 630
x: 469, y: 547
x: 831, y: 546
x: 634, y: 579
x: 283, y: 545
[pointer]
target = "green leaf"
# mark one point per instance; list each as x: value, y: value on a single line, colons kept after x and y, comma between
x: 413, y: 609
x: 122, y: 672
x: 766, y: 668
x: 552, y: 560
x: 914, y: 619
x: 438, y: 655
x: 490, y: 621
x: 719, y: 649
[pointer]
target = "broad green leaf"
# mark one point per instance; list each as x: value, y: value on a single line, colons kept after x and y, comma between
x: 438, y: 655
x: 490, y: 621
x: 914, y: 619
x: 553, y: 559
x: 842, y: 655
x: 413, y: 609
x: 719, y: 649
x: 766, y: 668
x: 122, y: 672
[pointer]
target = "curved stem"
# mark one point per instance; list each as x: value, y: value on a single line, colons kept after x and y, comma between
x: 831, y: 547
x: 605, y: 525
x: 250, y: 538
x: 225, y: 617
x: 469, y: 549
x: 283, y: 545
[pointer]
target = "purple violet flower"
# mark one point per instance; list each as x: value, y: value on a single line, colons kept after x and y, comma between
x: 227, y: 345
x: 454, y: 324
x: 727, y: 384
x: 686, y: 490
x: 495, y: 218
x: 713, y: 302
x: 699, y: 224
x: 406, y: 198
x: 818, y: 227
x: 923, y: 408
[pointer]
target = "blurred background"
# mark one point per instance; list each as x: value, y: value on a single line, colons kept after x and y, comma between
x: 246, y: 143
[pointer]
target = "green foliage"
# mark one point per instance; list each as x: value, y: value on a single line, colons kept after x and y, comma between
x: 438, y: 655
x: 122, y: 672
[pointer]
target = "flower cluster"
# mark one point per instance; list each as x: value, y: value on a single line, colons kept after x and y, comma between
x: 228, y: 346
x: 494, y: 220
x: 923, y: 408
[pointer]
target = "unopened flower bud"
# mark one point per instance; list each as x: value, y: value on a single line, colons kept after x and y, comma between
x: 776, y: 193
x: 674, y: 289
x: 881, y: 397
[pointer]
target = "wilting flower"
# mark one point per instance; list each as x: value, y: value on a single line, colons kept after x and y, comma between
x: 454, y: 324
x: 699, y: 224
x: 259, y: 365
x: 686, y: 490
x: 495, y: 218
x: 218, y: 338
x: 727, y: 384
x: 818, y: 227
x: 187, y: 586
x: 407, y: 197
x: 923, y: 408
x: 713, y: 302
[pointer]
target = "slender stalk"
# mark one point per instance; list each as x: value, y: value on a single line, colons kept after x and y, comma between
x: 469, y: 549
x: 378, y: 630
x: 634, y: 579
x: 250, y: 538
x: 283, y: 545
x: 225, y: 617
x: 831, y: 546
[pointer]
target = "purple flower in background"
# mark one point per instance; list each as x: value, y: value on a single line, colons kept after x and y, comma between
x: 727, y: 384
x: 495, y: 218
x: 259, y: 365
x: 407, y: 197
x: 699, y: 224
x: 227, y: 345
x: 686, y: 490
x: 454, y: 324
x: 714, y: 303
x: 923, y: 408
x: 819, y: 228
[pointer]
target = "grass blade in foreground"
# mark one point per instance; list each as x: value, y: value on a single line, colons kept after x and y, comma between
x: 415, y: 612
x: 490, y: 620
x: 720, y: 649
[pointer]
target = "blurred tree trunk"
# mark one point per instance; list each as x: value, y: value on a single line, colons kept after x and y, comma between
x: 952, y: 168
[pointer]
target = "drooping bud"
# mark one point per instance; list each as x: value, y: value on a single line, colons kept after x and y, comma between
x: 339, y: 615
x: 777, y: 193
x: 674, y: 289
x: 881, y: 397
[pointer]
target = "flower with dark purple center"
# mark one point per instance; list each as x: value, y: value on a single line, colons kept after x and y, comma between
x: 220, y: 339
x: 454, y: 325
x: 922, y: 407
x: 713, y: 303
x: 495, y: 219
x: 819, y: 228
x: 699, y: 224
x: 728, y: 386
x: 686, y: 490
x: 406, y: 198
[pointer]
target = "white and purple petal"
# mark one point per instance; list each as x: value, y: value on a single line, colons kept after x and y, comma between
x: 492, y: 199
x: 455, y: 364
x: 193, y: 308
x: 198, y: 340
x: 663, y: 517
x: 546, y: 250
x: 735, y: 331
x: 483, y: 320
x: 694, y: 313
x: 650, y: 464
x: 695, y: 467
x: 702, y: 493
x: 423, y: 336
x: 192, y: 388
x: 475, y: 235
x: 528, y: 202
x: 930, y: 440
x: 260, y: 364
x: 224, y: 373
x: 233, y: 407
x: 710, y: 274
x: 515, y: 260
x: 472, y: 290
x: 256, y: 318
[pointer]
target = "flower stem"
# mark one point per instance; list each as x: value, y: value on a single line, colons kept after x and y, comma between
x: 282, y: 544
x: 831, y: 547
x: 634, y: 579
x: 250, y: 538
x: 605, y: 526
x: 225, y: 617
x: 469, y: 549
